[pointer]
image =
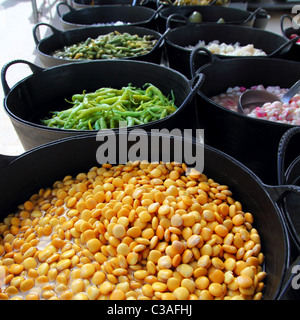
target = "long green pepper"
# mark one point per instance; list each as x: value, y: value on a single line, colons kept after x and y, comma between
x: 107, y: 107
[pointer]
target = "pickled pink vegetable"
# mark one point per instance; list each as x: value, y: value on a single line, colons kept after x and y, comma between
x: 277, y: 111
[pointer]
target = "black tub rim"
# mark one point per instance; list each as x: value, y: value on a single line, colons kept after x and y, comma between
x: 198, y: 77
x: 41, y: 42
x: 238, y: 115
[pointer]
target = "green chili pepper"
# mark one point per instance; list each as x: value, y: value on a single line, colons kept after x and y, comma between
x: 163, y: 114
x: 102, y: 123
x: 130, y: 121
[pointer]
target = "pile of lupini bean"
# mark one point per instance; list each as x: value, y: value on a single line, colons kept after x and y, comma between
x: 136, y: 231
x: 288, y: 113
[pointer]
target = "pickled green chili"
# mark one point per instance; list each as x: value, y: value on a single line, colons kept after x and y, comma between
x: 114, y: 45
x: 107, y: 108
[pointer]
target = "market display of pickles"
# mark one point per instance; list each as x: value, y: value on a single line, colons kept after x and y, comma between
x: 107, y: 108
x: 143, y: 230
x: 136, y: 231
x: 114, y: 45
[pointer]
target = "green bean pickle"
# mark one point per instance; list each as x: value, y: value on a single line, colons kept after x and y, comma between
x: 109, y: 108
x: 114, y: 45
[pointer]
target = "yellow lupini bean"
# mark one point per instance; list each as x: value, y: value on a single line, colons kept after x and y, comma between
x: 244, y: 281
x: 94, y: 245
x: 29, y: 263
x: 135, y: 231
x: 181, y: 293
x: 215, y: 289
x: 26, y: 285
x: 117, y: 294
x: 106, y: 287
x: 119, y: 231
x: 15, y: 269
x: 87, y: 270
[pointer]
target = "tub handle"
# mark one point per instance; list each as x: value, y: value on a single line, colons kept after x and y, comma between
x: 280, y: 50
x: 160, y: 41
x: 34, y: 68
x: 283, y: 144
x: 176, y: 15
x: 254, y: 14
x: 35, y: 28
x: 141, y: 2
x: 288, y: 281
x: 155, y: 14
x: 66, y: 5
x: 6, y: 160
x: 278, y: 192
x: 212, y: 58
x: 282, y: 18
x: 196, y: 82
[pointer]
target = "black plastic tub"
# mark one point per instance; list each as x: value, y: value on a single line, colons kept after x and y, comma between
x: 82, y: 4
x: 294, y: 52
x: 290, y: 174
x: 210, y: 14
x: 130, y: 15
x: 252, y: 141
x: 42, y: 166
x: 32, y: 98
x: 180, y: 38
x: 58, y: 39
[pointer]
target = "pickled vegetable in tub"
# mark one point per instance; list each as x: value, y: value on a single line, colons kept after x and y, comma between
x: 107, y: 108
x: 277, y: 111
x: 114, y: 45
x: 136, y: 231
x: 221, y: 48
